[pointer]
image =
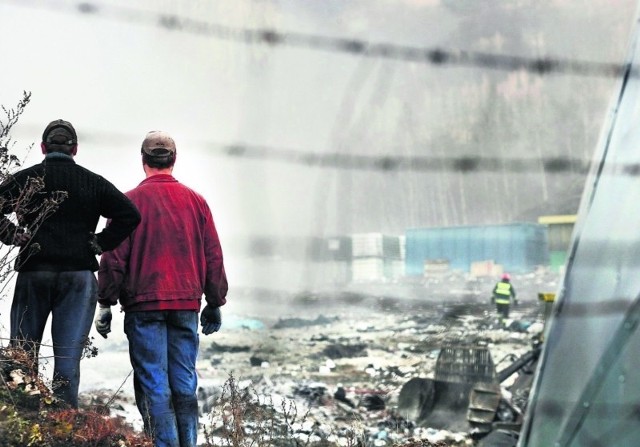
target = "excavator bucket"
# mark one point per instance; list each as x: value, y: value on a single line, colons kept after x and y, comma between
x: 443, y: 402
x: 484, y: 400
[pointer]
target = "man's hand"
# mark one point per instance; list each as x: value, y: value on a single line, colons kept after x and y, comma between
x: 103, y: 321
x: 93, y: 244
x: 21, y: 238
x: 210, y: 319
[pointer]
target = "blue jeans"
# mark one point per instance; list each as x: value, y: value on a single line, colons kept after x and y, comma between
x: 163, y: 347
x: 70, y: 298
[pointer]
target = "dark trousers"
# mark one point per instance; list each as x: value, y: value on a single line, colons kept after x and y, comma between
x: 70, y: 298
x: 503, y: 309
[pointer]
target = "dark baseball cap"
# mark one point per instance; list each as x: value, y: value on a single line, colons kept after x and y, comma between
x: 60, y: 132
x: 158, y: 144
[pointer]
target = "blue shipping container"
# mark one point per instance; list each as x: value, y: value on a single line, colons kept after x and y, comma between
x: 518, y: 247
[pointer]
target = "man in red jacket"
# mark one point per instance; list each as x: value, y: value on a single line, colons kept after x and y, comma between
x: 159, y: 275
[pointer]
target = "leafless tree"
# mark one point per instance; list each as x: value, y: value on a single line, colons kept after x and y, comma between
x: 23, y: 203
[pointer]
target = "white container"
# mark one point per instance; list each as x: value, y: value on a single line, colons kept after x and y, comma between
x: 369, y: 269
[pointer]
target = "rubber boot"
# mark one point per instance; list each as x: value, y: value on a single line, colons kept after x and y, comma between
x: 186, y: 410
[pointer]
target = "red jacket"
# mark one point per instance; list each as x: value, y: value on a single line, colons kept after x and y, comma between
x: 171, y: 259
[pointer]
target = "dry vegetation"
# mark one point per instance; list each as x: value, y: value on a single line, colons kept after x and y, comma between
x: 31, y: 416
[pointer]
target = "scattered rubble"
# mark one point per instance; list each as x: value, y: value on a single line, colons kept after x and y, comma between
x: 345, y: 362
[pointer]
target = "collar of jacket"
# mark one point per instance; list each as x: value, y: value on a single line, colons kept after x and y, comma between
x: 159, y: 178
x: 58, y: 156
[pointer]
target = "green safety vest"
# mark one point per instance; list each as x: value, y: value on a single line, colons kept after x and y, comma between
x: 502, y: 293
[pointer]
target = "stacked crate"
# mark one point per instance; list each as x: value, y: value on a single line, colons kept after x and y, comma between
x: 377, y: 257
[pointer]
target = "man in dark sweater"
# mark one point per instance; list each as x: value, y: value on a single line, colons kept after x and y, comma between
x: 57, y: 205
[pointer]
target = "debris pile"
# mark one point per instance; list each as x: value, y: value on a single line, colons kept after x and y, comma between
x: 344, y: 372
x: 331, y: 370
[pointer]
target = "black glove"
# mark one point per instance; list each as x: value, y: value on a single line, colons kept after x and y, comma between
x: 210, y: 319
x: 93, y: 244
x: 21, y: 238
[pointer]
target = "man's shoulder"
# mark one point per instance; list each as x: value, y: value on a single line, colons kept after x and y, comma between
x: 147, y: 185
x: 88, y: 173
x: 36, y: 170
x: 193, y: 191
x: 150, y: 189
x: 196, y: 196
x: 29, y: 170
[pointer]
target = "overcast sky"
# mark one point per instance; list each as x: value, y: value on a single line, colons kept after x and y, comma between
x: 113, y: 71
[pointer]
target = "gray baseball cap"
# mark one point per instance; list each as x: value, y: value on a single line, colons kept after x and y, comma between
x: 158, y: 143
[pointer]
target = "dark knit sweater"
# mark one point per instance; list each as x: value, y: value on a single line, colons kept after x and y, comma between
x: 63, y: 237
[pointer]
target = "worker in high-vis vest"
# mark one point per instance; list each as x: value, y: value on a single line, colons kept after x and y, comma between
x: 503, y: 294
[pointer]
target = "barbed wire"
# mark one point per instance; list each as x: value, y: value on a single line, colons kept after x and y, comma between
x: 382, y: 163
x: 361, y: 162
x: 464, y: 164
x: 353, y: 46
